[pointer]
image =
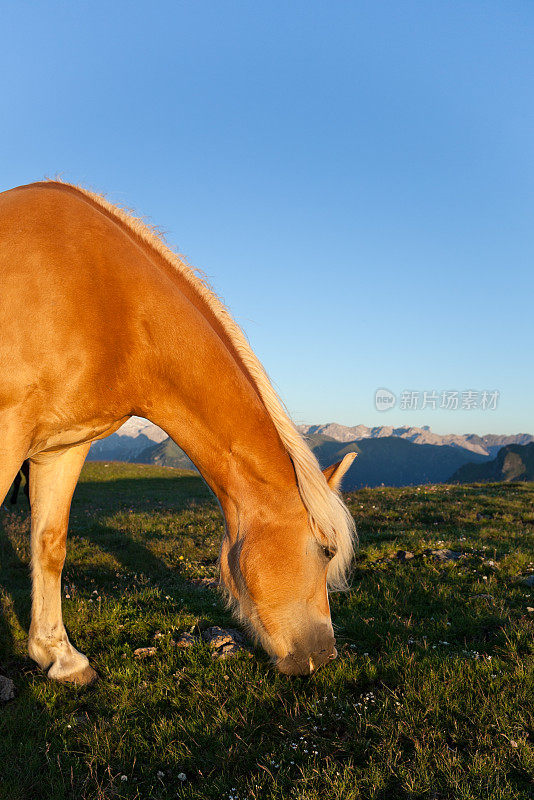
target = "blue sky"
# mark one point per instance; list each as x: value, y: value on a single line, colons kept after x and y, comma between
x: 356, y: 178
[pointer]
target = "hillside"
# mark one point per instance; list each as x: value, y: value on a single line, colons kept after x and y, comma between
x: 164, y: 454
x: 513, y: 463
x: 432, y: 687
x: 388, y: 461
x: 391, y: 461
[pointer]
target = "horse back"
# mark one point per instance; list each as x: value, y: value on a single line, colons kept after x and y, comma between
x: 73, y: 296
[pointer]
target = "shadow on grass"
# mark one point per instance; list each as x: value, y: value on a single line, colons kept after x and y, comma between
x: 15, y: 586
x: 165, y: 496
x: 92, y: 502
x: 140, y: 493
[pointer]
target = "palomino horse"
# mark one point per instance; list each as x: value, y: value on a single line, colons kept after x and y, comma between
x: 111, y: 324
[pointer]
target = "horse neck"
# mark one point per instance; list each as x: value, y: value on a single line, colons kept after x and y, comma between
x: 199, y: 394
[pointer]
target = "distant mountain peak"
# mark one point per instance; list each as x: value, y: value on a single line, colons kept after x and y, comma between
x: 514, y: 462
x: 136, y: 426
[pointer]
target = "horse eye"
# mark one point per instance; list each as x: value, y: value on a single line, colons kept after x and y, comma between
x: 329, y: 552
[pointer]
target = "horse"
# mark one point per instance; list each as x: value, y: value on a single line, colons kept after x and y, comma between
x: 112, y: 323
x: 24, y: 472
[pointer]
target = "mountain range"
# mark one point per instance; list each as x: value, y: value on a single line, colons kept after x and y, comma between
x: 514, y: 462
x: 391, y: 460
x: 487, y: 445
x: 128, y: 442
x: 386, y: 455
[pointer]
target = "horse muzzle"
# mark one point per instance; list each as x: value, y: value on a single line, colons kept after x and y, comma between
x: 297, y: 664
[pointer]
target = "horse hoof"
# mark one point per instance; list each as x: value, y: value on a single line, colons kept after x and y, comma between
x: 80, y: 677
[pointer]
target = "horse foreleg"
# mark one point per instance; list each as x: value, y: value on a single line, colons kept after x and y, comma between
x: 53, y: 478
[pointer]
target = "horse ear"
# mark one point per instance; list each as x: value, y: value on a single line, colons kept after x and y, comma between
x: 335, y: 473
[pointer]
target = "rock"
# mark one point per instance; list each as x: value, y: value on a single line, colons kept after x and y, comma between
x: 445, y: 555
x: 144, y: 652
x: 404, y: 555
x: 227, y: 651
x: 7, y: 689
x: 224, y: 642
x: 217, y: 637
x: 185, y: 640
x: 529, y: 580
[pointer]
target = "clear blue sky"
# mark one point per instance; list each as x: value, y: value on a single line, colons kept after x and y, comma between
x: 356, y: 178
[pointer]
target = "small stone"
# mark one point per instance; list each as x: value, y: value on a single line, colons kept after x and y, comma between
x: 144, y: 652
x: 217, y: 637
x: 529, y: 580
x: 404, y: 555
x: 224, y: 642
x: 445, y: 555
x: 182, y: 776
x: 185, y: 640
x: 7, y: 689
x: 226, y: 651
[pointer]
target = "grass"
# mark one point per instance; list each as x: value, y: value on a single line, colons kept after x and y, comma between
x: 432, y: 695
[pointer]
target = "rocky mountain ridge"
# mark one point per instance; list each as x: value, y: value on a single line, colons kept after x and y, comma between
x: 514, y: 462
x: 487, y: 445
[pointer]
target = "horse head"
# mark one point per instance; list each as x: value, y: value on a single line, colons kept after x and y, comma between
x: 276, y: 570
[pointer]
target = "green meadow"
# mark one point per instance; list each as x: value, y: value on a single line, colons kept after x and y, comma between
x: 432, y: 695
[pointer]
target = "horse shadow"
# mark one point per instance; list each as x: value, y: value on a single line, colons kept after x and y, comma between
x: 133, y: 555
x: 15, y: 586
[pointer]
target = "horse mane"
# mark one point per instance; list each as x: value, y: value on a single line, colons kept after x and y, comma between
x: 329, y: 518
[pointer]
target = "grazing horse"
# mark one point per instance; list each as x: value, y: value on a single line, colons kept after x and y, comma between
x: 24, y: 472
x: 111, y: 323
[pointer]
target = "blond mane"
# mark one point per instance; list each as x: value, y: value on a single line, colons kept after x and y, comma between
x: 329, y: 518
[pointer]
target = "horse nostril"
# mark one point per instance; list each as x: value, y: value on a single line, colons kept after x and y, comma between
x: 321, y: 657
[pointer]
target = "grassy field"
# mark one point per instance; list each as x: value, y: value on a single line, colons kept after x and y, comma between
x: 432, y: 695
